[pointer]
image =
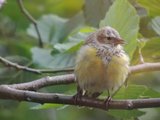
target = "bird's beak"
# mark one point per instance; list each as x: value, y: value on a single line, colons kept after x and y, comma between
x: 117, y: 41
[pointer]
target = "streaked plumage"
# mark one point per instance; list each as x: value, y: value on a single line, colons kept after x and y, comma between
x: 101, y: 62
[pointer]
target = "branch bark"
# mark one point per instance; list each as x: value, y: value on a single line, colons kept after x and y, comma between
x: 44, y: 82
x: 25, y: 92
x: 7, y: 92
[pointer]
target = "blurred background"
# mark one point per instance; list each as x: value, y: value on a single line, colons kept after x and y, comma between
x: 63, y: 25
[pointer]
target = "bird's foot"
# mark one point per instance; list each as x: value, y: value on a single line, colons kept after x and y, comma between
x: 107, y: 101
x: 77, y: 96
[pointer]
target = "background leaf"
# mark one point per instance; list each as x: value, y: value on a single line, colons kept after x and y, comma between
x: 151, y: 50
x: 131, y: 92
x: 50, y: 26
x: 95, y: 10
x: 46, y: 106
x: 152, y: 7
x: 43, y: 58
x: 155, y: 23
x: 126, y: 114
x: 74, y: 41
x: 54, y: 29
x: 123, y: 17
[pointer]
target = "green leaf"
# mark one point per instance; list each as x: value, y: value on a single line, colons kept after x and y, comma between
x: 136, y: 56
x: 150, y: 93
x: 94, y: 11
x: 126, y: 114
x: 55, y: 29
x: 141, y: 43
x: 68, y: 47
x: 123, y: 17
x: 50, y: 27
x: 74, y: 41
x: 152, y: 6
x: 73, y: 23
x: 44, y: 59
x: 63, y: 60
x: 64, y: 46
x: 75, y: 47
x: 46, y: 106
x: 131, y: 92
x: 63, y: 55
x: 136, y: 91
x: 155, y: 23
x: 145, y: 27
x: 151, y: 50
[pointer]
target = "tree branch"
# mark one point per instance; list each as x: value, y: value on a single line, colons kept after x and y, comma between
x: 24, y: 91
x: 46, y: 81
x: 145, y: 67
x: 7, y: 92
x: 31, y: 19
x: 70, y: 78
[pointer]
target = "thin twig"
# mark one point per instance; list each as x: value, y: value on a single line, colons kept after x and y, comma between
x: 7, y: 92
x: 32, y: 70
x: 145, y: 67
x: 19, y: 67
x: 133, y: 69
x: 31, y: 19
x: 65, y: 70
x: 140, y: 56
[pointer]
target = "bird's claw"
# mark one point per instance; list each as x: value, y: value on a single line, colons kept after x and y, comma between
x: 77, y: 96
x: 107, y: 101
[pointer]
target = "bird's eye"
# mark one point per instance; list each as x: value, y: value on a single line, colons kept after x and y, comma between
x: 109, y: 38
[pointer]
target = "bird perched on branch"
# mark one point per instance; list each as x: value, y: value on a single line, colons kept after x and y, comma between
x: 101, y: 64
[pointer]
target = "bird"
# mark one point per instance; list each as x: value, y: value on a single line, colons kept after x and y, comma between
x: 101, y: 64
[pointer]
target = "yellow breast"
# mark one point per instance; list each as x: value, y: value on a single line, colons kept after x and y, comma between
x: 94, y: 76
x: 117, y: 71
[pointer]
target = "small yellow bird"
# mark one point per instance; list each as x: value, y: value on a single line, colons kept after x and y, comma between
x: 101, y: 63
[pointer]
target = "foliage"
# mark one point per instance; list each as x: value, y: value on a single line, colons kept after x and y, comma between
x: 123, y: 17
x: 62, y: 37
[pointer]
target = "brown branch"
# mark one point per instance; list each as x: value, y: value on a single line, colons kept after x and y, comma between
x: 70, y: 78
x: 46, y: 81
x: 7, y: 92
x: 21, y: 92
x: 31, y: 19
x: 24, y: 91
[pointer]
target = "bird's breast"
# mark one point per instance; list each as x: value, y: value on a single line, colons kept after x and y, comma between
x: 95, y: 76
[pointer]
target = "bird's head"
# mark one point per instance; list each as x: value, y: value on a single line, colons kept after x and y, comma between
x: 108, y: 35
